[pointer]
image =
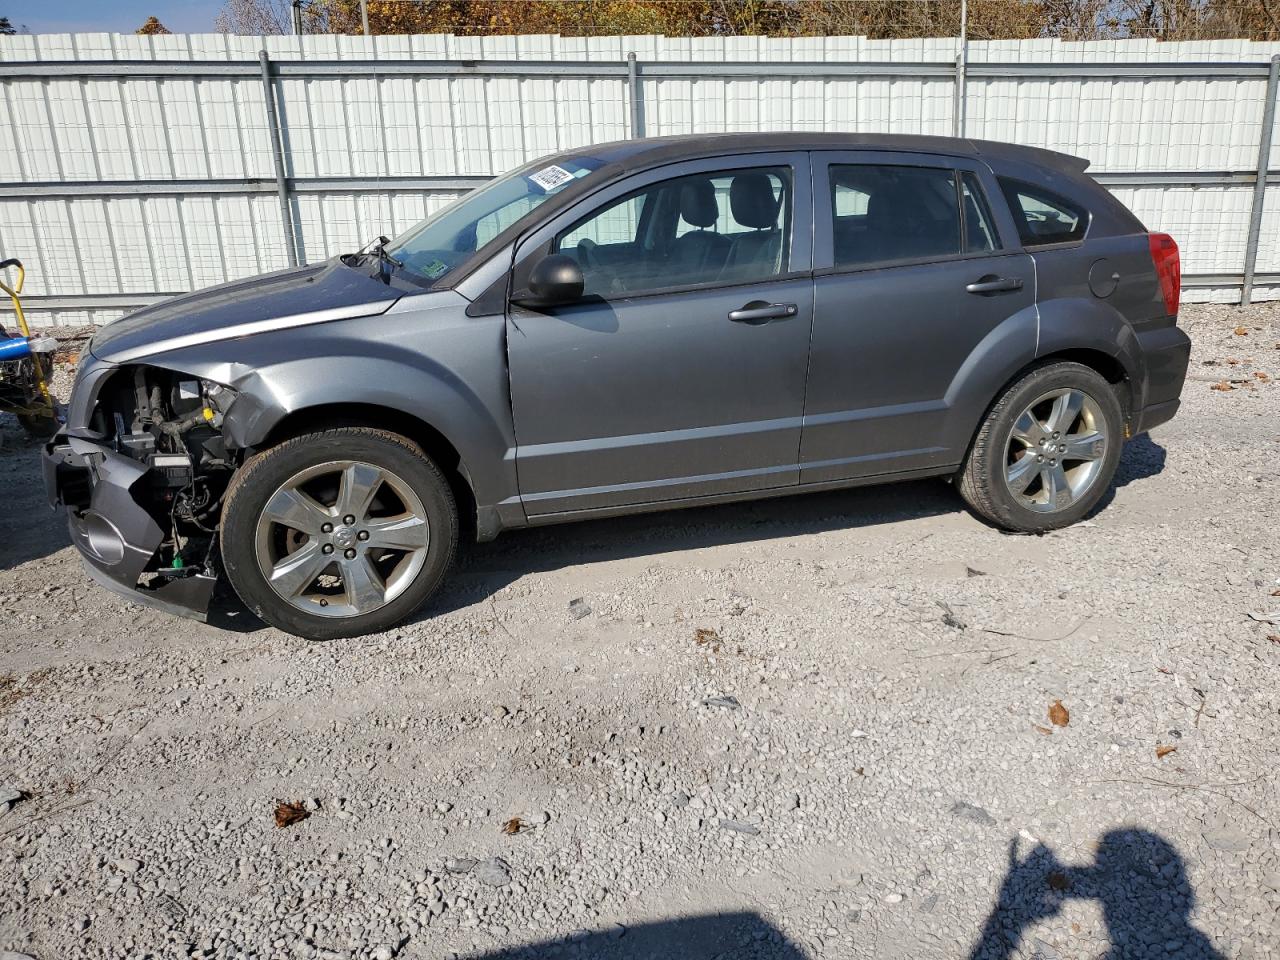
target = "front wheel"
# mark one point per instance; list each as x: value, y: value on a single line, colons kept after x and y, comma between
x: 338, y: 533
x: 1047, y: 450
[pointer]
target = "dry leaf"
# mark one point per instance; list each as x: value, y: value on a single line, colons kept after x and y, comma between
x: 1222, y: 385
x: 1163, y: 751
x: 704, y: 635
x: 1059, y: 715
x: 288, y: 814
x: 1047, y: 731
x: 1260, y: 375
x: 1241, y: 331
x: 514, y: 826
x: 1275, y: 593
x: 1058, y: 881
x: 1274, y: 638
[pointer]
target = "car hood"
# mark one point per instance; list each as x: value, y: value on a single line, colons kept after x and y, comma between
x: 287, y: 298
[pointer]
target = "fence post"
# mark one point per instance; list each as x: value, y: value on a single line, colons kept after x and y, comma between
x: 1260, y: 183
x: 277, y: 158
x: 635, y: 96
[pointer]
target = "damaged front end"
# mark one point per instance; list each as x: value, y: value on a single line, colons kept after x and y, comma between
x: 142, y: 469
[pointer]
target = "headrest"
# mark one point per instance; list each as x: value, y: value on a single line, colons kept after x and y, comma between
x: 698, y: 203
x: 752, y: 201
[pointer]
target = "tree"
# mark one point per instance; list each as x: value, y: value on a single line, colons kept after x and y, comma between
x: 7, y: 29
x: 880, y: 19
x: 152, y: 28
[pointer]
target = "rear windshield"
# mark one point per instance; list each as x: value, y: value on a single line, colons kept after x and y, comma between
x: 1042, y: 216
x: 439, y: 244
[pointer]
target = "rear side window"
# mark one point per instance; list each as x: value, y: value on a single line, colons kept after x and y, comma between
x: 883, y: 213
x: 1043, y: 217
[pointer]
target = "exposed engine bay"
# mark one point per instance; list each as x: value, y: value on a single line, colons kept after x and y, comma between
x: 169, y: 423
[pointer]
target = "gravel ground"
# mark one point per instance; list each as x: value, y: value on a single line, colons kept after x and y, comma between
x: 816, y: 727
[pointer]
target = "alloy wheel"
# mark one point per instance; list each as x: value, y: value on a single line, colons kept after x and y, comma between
x: 342, y: 539
x: 1055, y: 450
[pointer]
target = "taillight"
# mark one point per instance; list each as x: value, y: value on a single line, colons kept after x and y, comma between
x: 1164, y: 254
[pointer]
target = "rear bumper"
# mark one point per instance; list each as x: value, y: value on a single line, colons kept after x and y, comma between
x: 1165, y: 354
x: 117, y: 538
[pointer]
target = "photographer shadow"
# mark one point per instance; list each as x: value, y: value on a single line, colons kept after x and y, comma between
x: 1137, y: 876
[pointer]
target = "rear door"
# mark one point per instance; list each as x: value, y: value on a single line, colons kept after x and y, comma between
x: 681, y: 371
x: 916, y: 271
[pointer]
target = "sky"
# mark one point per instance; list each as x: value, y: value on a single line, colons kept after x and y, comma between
x: 109, y: 16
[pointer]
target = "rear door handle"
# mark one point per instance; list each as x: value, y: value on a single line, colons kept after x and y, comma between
x: 993, y: 284
x: 759, y: 311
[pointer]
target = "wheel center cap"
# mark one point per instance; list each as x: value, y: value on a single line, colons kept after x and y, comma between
x: 344, y: 537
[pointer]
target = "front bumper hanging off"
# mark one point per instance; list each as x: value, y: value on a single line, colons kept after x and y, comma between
x: 115, y: 535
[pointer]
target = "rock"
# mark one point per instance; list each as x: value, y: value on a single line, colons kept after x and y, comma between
x: 893, y: 898
x: 495, y: 872
x: 738, y: 826
x: 128, y: 867
x: 729, y: 703
x: 968, y: 811
x: 578, y: 609
x: 383, y: 953
x: 1228, y: 839
x: 499, y: 711
x: 444, y: 806
x: 459, y: 865
x: 10, y: 797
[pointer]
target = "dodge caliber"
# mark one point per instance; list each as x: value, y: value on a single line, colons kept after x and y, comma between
x: 626, y: 327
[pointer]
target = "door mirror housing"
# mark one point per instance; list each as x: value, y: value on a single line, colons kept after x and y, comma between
x: 555, y: 280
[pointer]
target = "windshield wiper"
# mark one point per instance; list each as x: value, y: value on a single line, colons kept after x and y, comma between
x: 378, y: 248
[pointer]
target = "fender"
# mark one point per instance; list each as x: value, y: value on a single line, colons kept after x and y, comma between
x: 425, y: 359
x: 1087, y: 323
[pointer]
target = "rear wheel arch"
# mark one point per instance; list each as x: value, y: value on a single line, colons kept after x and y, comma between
x: 434, y: 444
x: 1111, y: 368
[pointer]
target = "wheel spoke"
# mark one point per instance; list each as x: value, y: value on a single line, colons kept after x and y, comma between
x: 1066, y: 409
x: 292, y: 508
x: 405, y: 533
x: 1028, y: 429
x: 1057, y: 489
x: 363, y: 584
x: 1084, y: 446
x: 360, y: 483
x: 297, y: 571
x: 1021, y: 472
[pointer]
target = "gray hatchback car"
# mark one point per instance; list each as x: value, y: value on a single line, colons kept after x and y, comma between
x: 627, y: 327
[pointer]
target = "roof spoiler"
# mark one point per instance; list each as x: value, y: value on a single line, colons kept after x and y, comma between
x: 1037, y: 155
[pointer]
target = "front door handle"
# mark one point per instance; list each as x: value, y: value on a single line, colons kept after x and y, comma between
x: 994, y: 284
x: 760, y: 311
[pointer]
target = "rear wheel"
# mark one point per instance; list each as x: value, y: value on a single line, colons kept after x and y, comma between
x: 339, y: 533
x: 1047, y: 451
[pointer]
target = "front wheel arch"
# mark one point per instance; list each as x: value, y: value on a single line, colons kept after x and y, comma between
x: 373, y: 416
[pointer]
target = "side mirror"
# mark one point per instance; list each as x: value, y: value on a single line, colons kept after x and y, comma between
x: 555, y: 279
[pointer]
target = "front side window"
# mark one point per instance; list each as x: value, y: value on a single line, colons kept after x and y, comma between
x: 708, y: 228
x: 1043, y: 217
x: 884, y: 213
x: 433, y: 248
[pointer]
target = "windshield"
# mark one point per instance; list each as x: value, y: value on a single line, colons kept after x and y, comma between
x: 439, y: 244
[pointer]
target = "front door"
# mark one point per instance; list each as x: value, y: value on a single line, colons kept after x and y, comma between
x: 916, y: 275
x: 681, y: 372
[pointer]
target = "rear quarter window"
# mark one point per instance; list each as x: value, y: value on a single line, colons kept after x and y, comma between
x: 1042, y: 216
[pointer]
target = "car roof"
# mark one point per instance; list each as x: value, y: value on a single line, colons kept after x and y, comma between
x: 630, y: 155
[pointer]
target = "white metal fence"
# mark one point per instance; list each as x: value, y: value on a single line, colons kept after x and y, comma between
x: 138, y: 167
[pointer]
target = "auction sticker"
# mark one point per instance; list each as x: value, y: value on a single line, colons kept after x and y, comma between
x: 548, y: 178
x: 435, y: 269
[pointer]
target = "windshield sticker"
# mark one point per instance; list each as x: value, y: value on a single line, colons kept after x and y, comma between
x: 548, y: 178
x: 435, y: 269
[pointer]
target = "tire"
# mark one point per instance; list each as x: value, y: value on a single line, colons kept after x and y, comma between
x: 352, y: 578
x: 997, y: 464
